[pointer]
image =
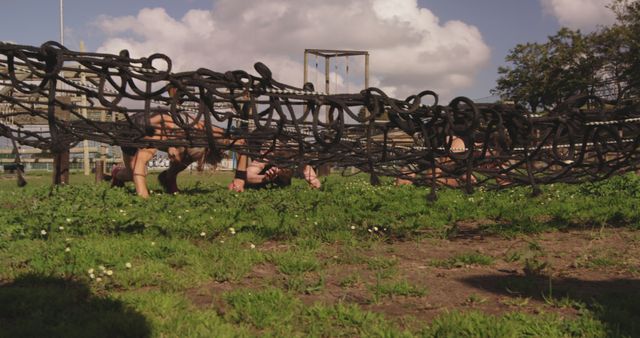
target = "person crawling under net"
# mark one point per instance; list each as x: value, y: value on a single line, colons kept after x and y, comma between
x: 135, y: 160
x: 261, y: 174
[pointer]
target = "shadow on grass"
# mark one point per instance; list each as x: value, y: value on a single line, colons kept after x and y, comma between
x: 38, y: 306
x: 615, y: 302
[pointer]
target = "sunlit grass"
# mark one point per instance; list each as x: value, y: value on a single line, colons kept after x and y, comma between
x: 111, y: 257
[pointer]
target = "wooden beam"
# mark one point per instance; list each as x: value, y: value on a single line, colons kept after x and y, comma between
x: 8, y: 151
x: 328, y: 53
x: 50, y: 160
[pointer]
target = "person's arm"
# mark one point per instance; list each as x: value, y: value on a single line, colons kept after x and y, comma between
x: 253, y: 172
x: 256, y: 167
x: 240, y: 177
x: 139, y: 164
x: 241, y: 174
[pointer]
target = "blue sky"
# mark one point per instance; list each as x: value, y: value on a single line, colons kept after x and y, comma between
x: 501, y: 25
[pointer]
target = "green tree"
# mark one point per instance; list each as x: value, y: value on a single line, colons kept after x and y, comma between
x: 525, y: 81
x: 623, y: 41
x: 605, y: 63
x: 612, y: 49
x: 543, y: 75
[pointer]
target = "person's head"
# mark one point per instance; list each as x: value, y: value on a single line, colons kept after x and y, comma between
x: 284, y: 177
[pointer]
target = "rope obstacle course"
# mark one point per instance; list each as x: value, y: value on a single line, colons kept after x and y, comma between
x: 461, y: 144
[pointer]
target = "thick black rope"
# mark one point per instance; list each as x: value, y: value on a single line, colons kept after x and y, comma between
x: 462, y: 144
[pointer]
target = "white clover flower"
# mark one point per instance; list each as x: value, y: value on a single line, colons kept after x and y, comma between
x: 92, y: 276
x: 101, y: 267
x: 179, y: 217
x: 202, y: 234
x: 68, y: 220
x: 121, y: 211
x: 353, y: 227
x: 232, y: 231
x: 315, y: 223
x: 67, y: 249
x: 98, y: 279
x: 253, y: 246
x: 221, y: 241
x: 109, y: 272
x: 43, y: 232
x: 127, y: 265
x: 186, y: 210
x: 61, y: 228
x: 153, y: 243
x: 369, y: 230
x: 90, y: 271
x: 375, y: 228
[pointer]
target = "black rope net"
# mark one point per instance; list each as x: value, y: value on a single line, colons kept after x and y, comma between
x: 459, y: 144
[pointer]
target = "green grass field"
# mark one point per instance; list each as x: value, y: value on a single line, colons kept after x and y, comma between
x: 347, y: 260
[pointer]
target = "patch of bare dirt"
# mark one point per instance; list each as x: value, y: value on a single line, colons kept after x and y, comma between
x: 550, y: 272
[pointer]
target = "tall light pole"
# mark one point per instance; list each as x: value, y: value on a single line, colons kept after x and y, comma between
x: 61, y: 22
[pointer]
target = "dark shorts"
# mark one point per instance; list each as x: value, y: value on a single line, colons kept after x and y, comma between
x: 277, y: 183
x: 129, y: 151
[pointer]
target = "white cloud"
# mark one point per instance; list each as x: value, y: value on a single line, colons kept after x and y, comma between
x: 411, y: 50
x: 580, y: 14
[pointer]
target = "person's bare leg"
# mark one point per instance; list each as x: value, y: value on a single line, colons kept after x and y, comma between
x: 406, y: 179
x: 139, y: 163
x: 168, y: 178
x: 311, y: 177
x: 122, y: 173
x: 180, y: 158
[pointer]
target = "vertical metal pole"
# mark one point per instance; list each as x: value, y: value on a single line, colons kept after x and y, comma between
x: 373, y: 178
x: 306, y: 66
x: 103, y: 149
x: 86, y: 164
x: 346, y: 68
x: 61, y: 153
x: 335, y: 74
x: 327, y: 79
x: 99, y: 171
x: 61, y: 22
x: 325, y: 169
x: 327, y: 83
x: 113, y: 149
x: 366, y: 71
